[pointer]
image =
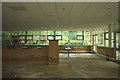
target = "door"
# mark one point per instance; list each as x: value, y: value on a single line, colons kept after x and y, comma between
x: 118, y: 46
x: 95, y: 43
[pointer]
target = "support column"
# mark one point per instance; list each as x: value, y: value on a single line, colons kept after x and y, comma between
x: 53, y: 54
x: 114, y: 46
x: 109, y: 35
x: 104, y: 39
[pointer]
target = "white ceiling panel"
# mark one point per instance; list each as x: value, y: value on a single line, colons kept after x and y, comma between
x: 58, y: 15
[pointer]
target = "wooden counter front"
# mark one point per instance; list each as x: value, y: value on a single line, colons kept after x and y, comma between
x: 105, y: 50
x: 25, y: 56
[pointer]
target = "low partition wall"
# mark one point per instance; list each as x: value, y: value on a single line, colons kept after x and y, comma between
x: 76, y: 48
x: 32, y: 55
x: 25, y: 56
x: 105, y: 51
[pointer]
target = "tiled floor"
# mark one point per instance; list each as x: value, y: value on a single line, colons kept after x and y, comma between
x: 76, y: 66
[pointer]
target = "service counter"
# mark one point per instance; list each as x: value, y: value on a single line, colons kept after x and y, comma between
x: 25, y: 56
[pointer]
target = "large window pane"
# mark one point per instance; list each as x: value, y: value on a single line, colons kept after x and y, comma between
x: 65, y: 37
x: 86, y: 42
x: 36, y: 37
x: 79, y: 42
x: 58, y: 33
x: 60, y: 42
x: 29, y: 37
x: 65, y: 33
x: 44, y: 42
x: 36, y: 32
x: 86, y: 33
x: 79, y: 37
x: 58, y: 37
x: 22, y: 41
x: 7, y: 40
x: 79, y: 32
x: 22, y: 32
x: 86, y: 37
x: 43, y: 32
x: 73, y: 42
x: 29, y: 32
x: 15, y: 32
x: 30, y: 42
x: 21, y: 37
x: 72, y: 32
x: 101, y: 39
x: 72, y: 37
x: 50, y: 37
x: 50, y: 32
x: 43, y: 37
x: 6, y: 32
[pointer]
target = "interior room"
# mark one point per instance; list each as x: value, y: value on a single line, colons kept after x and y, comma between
x: 60, y: 39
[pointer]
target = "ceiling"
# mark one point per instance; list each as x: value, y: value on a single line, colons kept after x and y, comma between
x: 58, y: 15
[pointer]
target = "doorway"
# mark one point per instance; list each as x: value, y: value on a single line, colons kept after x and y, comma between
x: 95, y: 41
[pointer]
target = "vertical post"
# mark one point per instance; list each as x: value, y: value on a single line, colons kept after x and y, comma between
x: 83, y: 37
x: 54, y: 34
x: 53, y: 54
x: 109, y: 34
x: 114, y: 46
x: 104, y: 39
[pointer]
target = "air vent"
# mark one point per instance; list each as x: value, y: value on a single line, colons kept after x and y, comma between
x: 18, y: 8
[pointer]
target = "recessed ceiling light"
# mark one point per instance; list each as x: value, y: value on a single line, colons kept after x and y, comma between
x: 49, y: 15
x: 63, y: 8
x: 108, y: 8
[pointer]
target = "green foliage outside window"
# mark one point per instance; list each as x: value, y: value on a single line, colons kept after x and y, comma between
x: 36, y: 32
x: 32, y: 36
x: 6, y: 40
x: 29, y: 32
x: 22, y: 32
x: 43, y: 32
x: 58, y: 32
x: 65, y: 32
x: 50, y: 32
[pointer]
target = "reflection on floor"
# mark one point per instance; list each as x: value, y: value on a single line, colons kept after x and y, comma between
x: 76, y: 66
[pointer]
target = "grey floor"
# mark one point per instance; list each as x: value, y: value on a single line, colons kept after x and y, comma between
x: 83, y: 65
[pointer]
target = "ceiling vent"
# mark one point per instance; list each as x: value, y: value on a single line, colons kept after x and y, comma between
x: 17, y: 8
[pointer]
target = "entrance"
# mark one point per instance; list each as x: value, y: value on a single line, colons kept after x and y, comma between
x: 95, y: 42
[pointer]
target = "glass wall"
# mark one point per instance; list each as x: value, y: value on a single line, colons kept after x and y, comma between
x: 43, y: 37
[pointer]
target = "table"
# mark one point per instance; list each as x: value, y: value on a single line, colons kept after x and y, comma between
x: 68, y: 49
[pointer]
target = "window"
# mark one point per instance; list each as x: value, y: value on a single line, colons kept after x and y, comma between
x: 79, y: 32
x: 72, y: 32
x: 58, y: 37
x: 50, y: 37
x: 73, y: 42
x: 43, y: 32
x: 36, y: 32
x: 30, y: 37
x: 50, y: 32
x: 65, y: 38
x: 72, y: 37
x: 58, y: 33
x: 101, y: 39
x: 6, y: 40
x: 65, y: 33
x: 6, y: 32
x: 79, y: 37
x: 22, y: 37
x: 36, y: 37
x: 22, y: 33
x: 43, y: 37
x: 15, y: 33
x: 29, y: 32
x: 106, y: 35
